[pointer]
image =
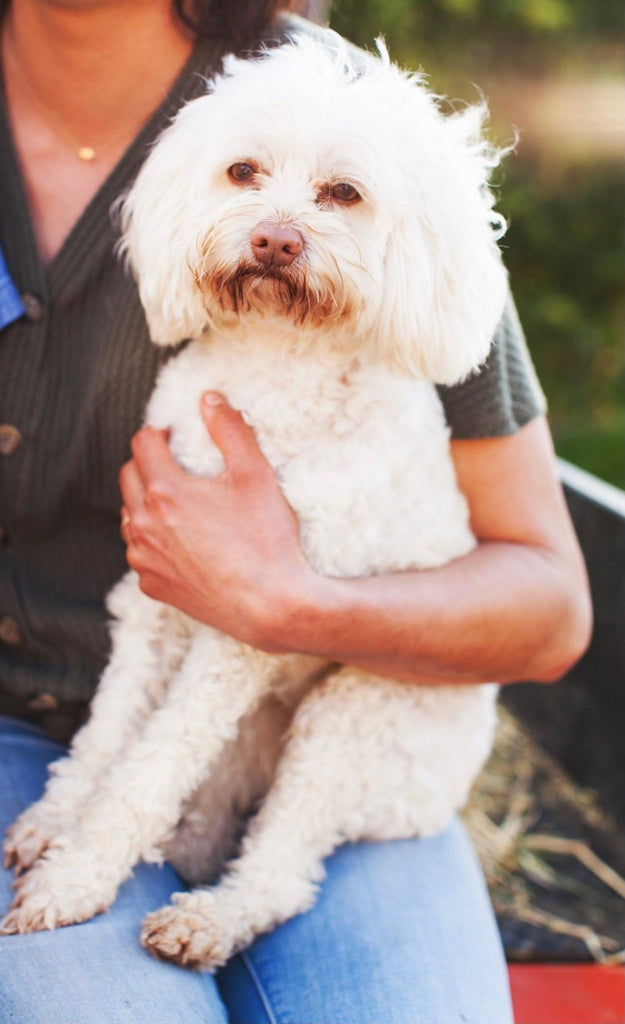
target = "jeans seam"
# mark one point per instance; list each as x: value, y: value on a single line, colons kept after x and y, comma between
x: 258, y: 986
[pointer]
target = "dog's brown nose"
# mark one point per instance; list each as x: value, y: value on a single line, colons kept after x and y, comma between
x: 276, y: 245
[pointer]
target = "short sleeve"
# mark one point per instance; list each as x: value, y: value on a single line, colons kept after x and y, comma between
x: 503, y: 395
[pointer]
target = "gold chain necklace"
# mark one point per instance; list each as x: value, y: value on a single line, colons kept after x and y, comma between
x: 85, y: 153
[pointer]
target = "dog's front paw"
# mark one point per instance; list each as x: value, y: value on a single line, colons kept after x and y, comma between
x: 26, y: 839
x: 60, y: 889
x: 192, y: 932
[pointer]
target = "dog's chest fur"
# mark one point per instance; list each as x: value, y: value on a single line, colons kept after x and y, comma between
x: 361, y: 454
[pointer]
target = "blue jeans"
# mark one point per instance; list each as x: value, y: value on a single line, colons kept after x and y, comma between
x: 401, y: 933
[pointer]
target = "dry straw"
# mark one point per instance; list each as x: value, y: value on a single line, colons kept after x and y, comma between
x: 506, y: 806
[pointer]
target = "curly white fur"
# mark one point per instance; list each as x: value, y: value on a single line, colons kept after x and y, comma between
x: 332, y: 357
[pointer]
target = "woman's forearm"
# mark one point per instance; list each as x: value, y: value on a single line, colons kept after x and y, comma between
x: 504, y: 612
x: 226, y: 551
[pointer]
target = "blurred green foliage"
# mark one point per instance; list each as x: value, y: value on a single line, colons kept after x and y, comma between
x: 565, y: 250
x: 497, y: 28
x: 565, y: 247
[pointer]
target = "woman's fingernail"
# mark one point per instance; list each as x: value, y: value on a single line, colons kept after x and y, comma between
x: 213, y: 398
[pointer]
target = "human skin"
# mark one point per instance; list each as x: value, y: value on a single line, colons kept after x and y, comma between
x: 227, y: 552
x: 72, y: 74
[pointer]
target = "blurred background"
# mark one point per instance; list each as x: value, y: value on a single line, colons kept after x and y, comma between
x: 554, y: 70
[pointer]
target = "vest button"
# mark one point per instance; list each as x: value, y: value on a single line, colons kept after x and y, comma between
x: 10, y: 439
x: 43, y: 702
x: 9, y: 631
x: 33, y: 307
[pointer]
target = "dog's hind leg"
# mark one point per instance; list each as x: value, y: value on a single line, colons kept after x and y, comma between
x: 366, y: 758
x: 140, y: 799
x: 327, y: 777
x: 146, y: 649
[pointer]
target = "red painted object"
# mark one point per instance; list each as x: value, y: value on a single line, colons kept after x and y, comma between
x: 567, y: 993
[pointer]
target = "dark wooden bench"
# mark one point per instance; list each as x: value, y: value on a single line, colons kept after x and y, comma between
x: 580, y: 724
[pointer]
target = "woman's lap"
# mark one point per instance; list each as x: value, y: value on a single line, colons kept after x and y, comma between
x: 402, y: 932
x: 93, y: 973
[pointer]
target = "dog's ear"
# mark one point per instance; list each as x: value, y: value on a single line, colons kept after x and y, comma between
x: 157, y: 234
x: 444, y: 281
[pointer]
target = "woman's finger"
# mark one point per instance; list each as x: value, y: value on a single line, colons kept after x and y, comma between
x: 131, y: 486
x: 153, y: 459
x: 124, y: 525
x: 235, y: 439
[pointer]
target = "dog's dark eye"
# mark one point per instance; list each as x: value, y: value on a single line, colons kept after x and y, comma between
x: 241, y: 172
x: 343, y: 192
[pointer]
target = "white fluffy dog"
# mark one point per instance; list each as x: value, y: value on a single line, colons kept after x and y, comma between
x: 327, y: 238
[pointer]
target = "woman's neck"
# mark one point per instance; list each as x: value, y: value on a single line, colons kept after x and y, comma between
x: 96, y: 64
x: 81, y: 78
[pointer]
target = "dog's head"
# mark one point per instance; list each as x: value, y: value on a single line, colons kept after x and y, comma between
x: 339, y: 199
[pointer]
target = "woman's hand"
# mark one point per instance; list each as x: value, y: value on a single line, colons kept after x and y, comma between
x: 227, y: 552
x: 224, y: 550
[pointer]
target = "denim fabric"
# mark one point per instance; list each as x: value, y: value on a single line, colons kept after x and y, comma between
x: 402, y: 932
x: 11, y: 306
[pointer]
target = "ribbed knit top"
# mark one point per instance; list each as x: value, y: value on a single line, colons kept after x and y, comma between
x: 75, y: 374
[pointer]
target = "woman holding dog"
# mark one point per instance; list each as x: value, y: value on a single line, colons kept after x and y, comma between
x: 402, y: 931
